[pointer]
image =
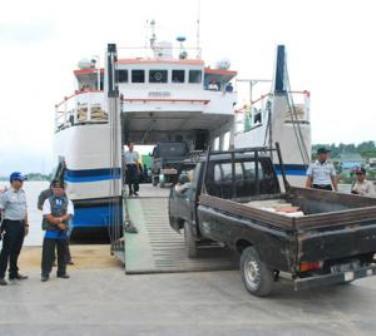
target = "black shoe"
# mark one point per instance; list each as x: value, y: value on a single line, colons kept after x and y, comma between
x: 44, y: 278
x: 70, y: 262
x: 63, y: 276
x: 3, y: 282
x: 130, y: 194
x: 136, y: 194
x: 18, y: 277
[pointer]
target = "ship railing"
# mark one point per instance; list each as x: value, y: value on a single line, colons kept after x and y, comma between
x: 74, y: 111
x: 255, y: 114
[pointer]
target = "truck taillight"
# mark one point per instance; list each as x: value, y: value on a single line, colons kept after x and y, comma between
x: 310, y: 266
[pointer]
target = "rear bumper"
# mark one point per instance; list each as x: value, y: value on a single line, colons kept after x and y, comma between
x: 332, y: 279
x: 169, y: 171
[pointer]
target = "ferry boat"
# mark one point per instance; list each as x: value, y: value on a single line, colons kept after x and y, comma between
x: 166, y: 94
x: 280, y: 115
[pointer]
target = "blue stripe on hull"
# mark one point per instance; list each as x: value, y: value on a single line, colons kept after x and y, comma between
x: 95, y: 216
x: 91, y: 175
x: 292, y: 169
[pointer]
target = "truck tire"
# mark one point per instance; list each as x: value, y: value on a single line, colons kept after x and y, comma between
x: 257, y: 278
x: 190, y: 242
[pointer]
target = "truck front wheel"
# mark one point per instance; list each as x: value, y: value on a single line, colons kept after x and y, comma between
x: 190, y: 242
x: 257, y: 277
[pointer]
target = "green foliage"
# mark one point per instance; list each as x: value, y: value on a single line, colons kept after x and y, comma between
x: 32, y: 177
x: 366, y: 149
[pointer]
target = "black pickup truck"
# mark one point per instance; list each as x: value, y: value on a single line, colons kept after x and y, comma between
x: 314, y: 237
x: 167, y: 159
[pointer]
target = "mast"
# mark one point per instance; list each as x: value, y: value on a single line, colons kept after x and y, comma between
x: 198, y: 22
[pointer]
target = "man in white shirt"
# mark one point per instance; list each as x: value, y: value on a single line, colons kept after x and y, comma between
x: 131, y: 161
x: 362, y: 186
x: 321, y: 174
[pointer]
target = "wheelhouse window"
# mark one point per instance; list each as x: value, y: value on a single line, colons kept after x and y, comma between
x: 122, y: 76
x: 178, y: 76
x: 158, y: 76
x: 138, y: 76
x: 195, y: 76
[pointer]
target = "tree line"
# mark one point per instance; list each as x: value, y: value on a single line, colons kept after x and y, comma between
x: 366, y: 149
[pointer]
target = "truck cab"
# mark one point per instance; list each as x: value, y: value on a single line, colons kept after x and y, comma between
x: 167, y: 159
x: 249, y: 180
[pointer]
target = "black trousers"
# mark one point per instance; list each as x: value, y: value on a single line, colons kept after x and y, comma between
x: 132, y: 178
x: 12, y: 245
x: 323, y: 187
x: 48, y: 255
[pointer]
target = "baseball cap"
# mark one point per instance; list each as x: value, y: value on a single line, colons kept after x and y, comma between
x: 57, y: 184
x: 17, y: 176
x: 323, y: 150
x: 360, y: 170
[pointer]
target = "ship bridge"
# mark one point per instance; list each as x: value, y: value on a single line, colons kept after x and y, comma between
x: 162, y: 99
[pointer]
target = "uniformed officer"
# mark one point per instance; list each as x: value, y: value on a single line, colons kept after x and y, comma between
x: 58, y: 210
x: 321, y: 174
x: 362, y: 186
x: 14, y: 228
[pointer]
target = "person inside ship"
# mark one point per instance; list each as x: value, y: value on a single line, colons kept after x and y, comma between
x: 213, y: 85
x: 131, y: 162
x: 58, y: 210
x: 321, y: 174
x: 362, y: 186
x: 229, y: 88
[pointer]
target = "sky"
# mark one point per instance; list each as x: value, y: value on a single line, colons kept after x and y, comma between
x: 330, y: 46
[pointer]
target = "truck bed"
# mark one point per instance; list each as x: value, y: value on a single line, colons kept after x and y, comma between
x: 321, y: 208
x: 334, y: 226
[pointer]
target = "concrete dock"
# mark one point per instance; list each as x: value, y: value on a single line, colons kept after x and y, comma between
x: 100, y: 299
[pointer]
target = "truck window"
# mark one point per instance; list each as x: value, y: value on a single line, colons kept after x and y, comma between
x: 249, y: 170
x: 219, y: 181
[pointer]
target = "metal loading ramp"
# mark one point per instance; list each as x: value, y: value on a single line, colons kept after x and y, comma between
x: 156, y: 248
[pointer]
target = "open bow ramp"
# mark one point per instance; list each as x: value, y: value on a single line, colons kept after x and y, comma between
x: 156, y: 248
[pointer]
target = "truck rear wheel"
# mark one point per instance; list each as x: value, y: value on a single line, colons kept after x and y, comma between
x: 257, y: 278
x: 190, y: 242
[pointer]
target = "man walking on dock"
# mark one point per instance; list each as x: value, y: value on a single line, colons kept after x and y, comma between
x: 14, y: 228
x: 131, y: 161
x: 58, y: 210
x: 321, y: 174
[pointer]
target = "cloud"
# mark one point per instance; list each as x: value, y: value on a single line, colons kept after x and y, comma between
x: 26, y: 32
